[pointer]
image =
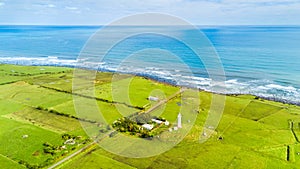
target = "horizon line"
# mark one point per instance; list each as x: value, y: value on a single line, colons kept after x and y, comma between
x: 148, y: 25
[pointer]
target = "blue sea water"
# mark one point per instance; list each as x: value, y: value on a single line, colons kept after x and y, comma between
x: 259, y: 60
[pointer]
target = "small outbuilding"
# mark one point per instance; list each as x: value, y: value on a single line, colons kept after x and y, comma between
x: 152, y: 98
x: 70, y: 142
x: 148, y: 126
x: 160, y: 122
x: 167, y: 122
x: 157, y: 121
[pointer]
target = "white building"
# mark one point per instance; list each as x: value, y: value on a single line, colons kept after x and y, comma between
x: 151, y: 98
x: 148, y: 126
x: 167, y: 122
x: 161, y: 122
x: 70, y: 142
x: 157, y: 121
x: 179, y: 121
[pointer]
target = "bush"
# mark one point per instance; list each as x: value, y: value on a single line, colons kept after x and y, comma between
x: 113, y: 134
x: 46, y: 144
x: 108, y: 127
x: 160, y: 118
x: 67, y: 136
x: 49, y: 150
x: 102, y: 130
x: 143, y: 118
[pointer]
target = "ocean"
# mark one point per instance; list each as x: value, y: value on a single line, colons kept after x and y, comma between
x: 258, y: 60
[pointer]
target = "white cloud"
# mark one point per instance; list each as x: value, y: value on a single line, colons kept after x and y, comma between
x: 51, y: 6
x: 2, y: 3
x: 71, y: 8
x: 203, y: 12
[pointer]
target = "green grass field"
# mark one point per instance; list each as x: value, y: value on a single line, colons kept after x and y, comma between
x: 32, y: 95
x: 37, y: 106
x: 12, y: 73
x: 10, y: 164
x: 45, y: 120
x: 94, y: 159
x: 17, y: 148
x: 133, y: 91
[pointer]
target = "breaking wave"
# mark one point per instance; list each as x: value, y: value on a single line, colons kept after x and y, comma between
x: 263, y: 88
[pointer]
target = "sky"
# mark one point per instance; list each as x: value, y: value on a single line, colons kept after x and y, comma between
x: 101, y: 12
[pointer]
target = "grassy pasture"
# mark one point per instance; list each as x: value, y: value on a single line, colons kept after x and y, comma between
x: 250, y: 159
x: 8, y: 107
x: 257, y: 110
x: 31, y: 70
x: 244, y: 140
x: 94, y: 159
x: 12, y: 73
x: 254, y: 133
x: 88, y: 110
x: 235, y: 106
x: 15, y: 147
x: 134, y: 91
x: 32, y: 95
x: 9, y: 79
x: 297, y: 154
x: 279, y: 152
x: 280, y: 119
x: 184, y: 155
x: 63, y: 81
x: 246, y: 133
x: 10, y: 164
x: 169, y: 110
x: 46, y: 120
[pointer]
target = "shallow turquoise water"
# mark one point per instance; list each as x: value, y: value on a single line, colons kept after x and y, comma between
x: 260, y: 60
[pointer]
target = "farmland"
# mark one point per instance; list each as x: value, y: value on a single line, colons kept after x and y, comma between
x: 37, y: 110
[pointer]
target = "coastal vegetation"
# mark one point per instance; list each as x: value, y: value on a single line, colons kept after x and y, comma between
x: 133, y: 125
x: 39, y: 124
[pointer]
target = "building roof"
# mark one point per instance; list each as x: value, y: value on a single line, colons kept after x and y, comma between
x: 152, y: 98
x: 148, y: 126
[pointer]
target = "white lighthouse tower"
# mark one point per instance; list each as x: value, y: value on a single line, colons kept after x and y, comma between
x: 179, y: 120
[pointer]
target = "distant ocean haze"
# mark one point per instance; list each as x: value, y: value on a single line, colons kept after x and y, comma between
x: 259, y: 60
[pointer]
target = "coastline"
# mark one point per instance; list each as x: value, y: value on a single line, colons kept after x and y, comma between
x: 169, y: 82
x: 41, y: 98
x: 246, y: 62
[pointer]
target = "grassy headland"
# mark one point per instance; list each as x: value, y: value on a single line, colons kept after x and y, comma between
x: 37, y: 117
